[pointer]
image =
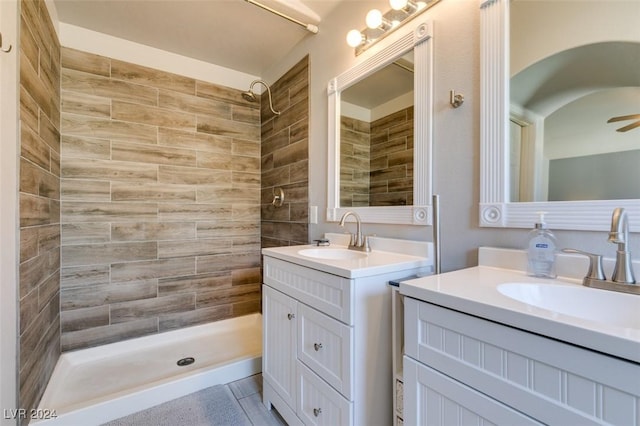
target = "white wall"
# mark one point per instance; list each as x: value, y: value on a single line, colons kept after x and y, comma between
x: 456, y: 131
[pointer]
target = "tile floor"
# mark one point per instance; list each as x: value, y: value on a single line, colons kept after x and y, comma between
x: 248, y: 392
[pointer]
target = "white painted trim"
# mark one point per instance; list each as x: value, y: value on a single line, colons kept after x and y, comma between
x: 9, y: 222
x: 417, y: 35
x: 495, y: 208
x: 124, y: 50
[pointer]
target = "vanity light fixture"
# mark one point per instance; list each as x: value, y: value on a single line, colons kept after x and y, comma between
x: 379, y: 25
x: 375, y: 20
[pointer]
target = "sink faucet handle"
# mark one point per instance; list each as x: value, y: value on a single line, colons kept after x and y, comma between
x: 595, y: 263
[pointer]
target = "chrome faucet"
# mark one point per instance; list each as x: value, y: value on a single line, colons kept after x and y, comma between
x: 623, y: 271
x: 358, y: 242
x: 622, y: 278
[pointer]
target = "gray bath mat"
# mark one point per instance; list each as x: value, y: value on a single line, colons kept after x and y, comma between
x: 211, y: 406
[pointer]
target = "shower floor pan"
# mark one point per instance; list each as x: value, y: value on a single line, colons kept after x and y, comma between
x: 96, y: 385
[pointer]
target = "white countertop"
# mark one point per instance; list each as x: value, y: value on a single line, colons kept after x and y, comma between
x: 376, y: 262
x: 474, y: 291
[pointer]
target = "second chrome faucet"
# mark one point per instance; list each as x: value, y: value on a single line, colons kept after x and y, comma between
x: 358, y: 241
x: 622, y: 279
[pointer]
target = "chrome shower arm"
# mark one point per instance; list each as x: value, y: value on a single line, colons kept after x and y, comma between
x: 253, y: 83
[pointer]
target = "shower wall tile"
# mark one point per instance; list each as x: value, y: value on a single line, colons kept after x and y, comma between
x: 162, y: 268
x: 86, y: 104
x: 39, y: 195
x: 106, y: 170
x: 153, y: 231
x: 85, y: 148
x: 225, y: 127
x: 182, y: 103
x: 169, y: 322
x: 111, y: 333
x: 150, y: 154
x: 151, y: 308
x: 78, y: 276
x: 87, y: 62
x: 137, y: 113
x: 82, y: 319
x: 104, y: 89
x: 103, y: 294
x: 97, y: 127
x: 91, y: 254
x: 215, y: 144
x: 284, y: 162
x: 85, y: 233
x: 159, y: 200
x: 150, y: 77
x: 221, y: 93
x: 195, y: 283
x: 85, y: 190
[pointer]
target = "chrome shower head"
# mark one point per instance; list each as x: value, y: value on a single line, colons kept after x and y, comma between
x: 251, y: 97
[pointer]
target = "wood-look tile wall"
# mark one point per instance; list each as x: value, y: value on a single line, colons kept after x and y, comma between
x: 285, y: 159
x: 391, y: 173
x: 377, y: 160
x: 355, y: 155
x: 39, y: 192
x: 160, y: 201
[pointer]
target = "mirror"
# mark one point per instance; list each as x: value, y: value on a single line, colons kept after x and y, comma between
x: 376, y: 138
x: 551, y: 79
x: 379, y: 156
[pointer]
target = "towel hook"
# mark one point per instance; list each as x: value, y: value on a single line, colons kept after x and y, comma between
x: 7, y: 50
x: 278, y: 197
x: 455, y: 99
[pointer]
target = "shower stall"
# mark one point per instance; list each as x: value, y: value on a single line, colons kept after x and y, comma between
x: 145, y: 199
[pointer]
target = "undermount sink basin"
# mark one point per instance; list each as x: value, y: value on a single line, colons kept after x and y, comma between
x: 604, y: 306
x: 332, y: 253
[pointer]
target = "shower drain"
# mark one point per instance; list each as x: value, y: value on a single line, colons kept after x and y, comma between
x: 186, y: 361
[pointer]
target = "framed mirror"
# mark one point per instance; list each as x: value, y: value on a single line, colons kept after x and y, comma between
x: 560, y: 89
x: 380, y: 132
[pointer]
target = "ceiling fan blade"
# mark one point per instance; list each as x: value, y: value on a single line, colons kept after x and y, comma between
x: 624, y: 118
x: 629, y: 126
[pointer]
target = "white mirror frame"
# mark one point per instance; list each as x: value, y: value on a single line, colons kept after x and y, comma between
x: 417, y: 35
x: 495, y: 208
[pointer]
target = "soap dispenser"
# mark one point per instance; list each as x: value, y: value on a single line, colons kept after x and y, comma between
x: 541, y: 250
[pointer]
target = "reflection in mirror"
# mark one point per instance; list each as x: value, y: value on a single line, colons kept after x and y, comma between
x: 558, y: 124
x: 376, y: 138
x: 380, y: 131
x: 563, y: 147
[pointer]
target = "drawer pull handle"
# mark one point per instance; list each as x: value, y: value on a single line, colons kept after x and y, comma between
x: 317, y: 412
x: 317, y: 346
x: 291, y: 316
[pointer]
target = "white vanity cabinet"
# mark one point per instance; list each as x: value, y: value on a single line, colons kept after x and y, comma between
x: 462, y: 369
x: 327, y: 344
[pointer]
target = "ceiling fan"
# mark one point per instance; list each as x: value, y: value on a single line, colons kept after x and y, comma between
x: 625, y: 118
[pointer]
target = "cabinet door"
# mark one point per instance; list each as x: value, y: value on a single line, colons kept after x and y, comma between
x: 431, y: 398
x: 279, y: 343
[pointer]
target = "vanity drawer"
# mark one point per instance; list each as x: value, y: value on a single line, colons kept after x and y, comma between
x: 319, y: 403
x: 435, y: 399
x: 328, y: 293
x: 551, y: 381
x: 326, y: 347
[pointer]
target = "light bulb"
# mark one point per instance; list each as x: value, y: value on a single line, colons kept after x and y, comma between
x: 398, y: 4
x: 374, y: 18
x: 421, y: 4
x: 354, y: 38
